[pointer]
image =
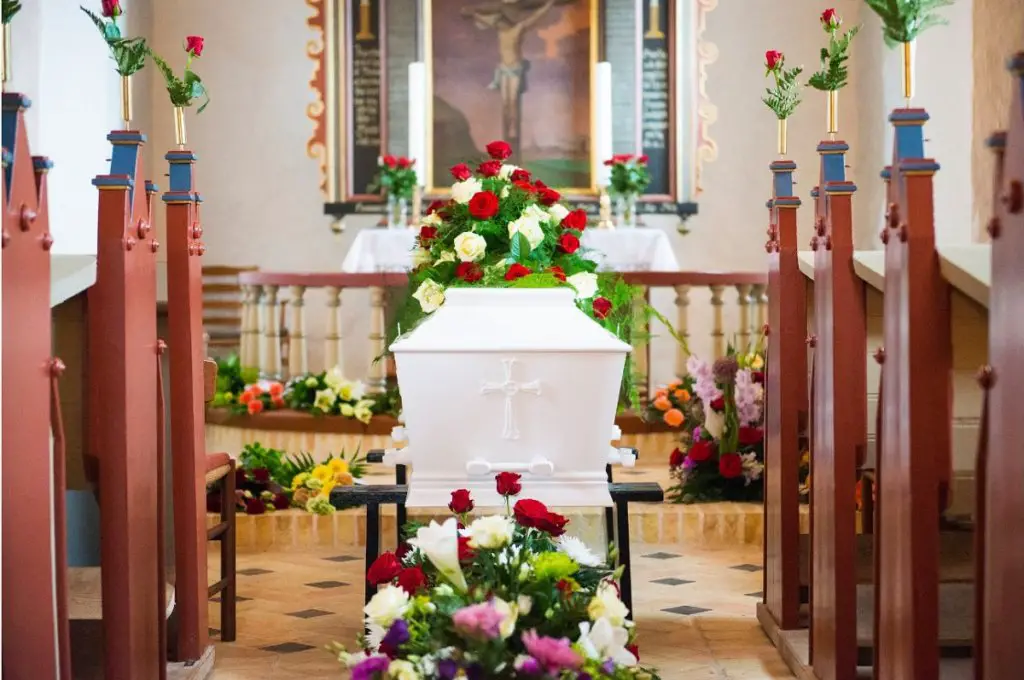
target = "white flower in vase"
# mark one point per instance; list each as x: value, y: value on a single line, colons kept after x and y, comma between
x: 388, y: 604
x: 604, y: 640
x: 466, y: 189
x: 585, y: 284
x: 470, y: 247
x: 430, y: 295
x: 440, y: 543
x: 529, y: 226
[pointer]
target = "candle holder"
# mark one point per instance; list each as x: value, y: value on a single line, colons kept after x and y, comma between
x: 833, y: 113
x: 909, y: 48
x: 604, y: 215
x: 5, y: 57
x: 782, y: 137
x: 180, y: 136
x: 417, y: 207
x: 126, y: 101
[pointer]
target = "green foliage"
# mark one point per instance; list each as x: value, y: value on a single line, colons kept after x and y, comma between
x: 629, y: 177
x: 785, y: 96
x: 904, y: 20
x: 255, y: 456
x: 185, y: 90
x: 833, y: 73
x: 10, y: 8
x: 394, y: 180
x: 128, y: 53
x: 232, y: 380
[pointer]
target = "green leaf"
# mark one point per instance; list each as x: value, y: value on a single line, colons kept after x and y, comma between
x: 520, y: 247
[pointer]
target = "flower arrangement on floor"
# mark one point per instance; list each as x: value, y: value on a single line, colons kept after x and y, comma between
x: 268, y: 479
x: 629, y: 179
x: 501, y: 596
x: 503, y: 228
x: 721, y: 453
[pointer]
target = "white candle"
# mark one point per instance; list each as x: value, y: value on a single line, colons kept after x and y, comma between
x: 603, y: 119
x: 418, y: 119
x: 654, y: 4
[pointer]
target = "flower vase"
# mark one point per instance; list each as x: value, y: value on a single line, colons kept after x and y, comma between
x: 180, y: 134
x: 625, y: 210
x: 398, y: 212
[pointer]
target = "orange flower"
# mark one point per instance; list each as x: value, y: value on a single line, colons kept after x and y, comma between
x: 255, y: 406
x: 681, y: 395
x: 245, y: 397
x: 279, y: 402
x: 276, y: 389
x: 660, y: 393
x: 673, y: 417
x: 662, y: 403
x: 674, y: 383
x: 256, y: 390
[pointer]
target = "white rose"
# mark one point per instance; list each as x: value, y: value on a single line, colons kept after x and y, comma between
x: 607, y: 605
x: 490, y: 532
x: 585, y: 284
x: 325, y: 399
x: 430, y: 295
x: 446, y: 256
x: 558, y: 211
x: 538, y: 213
x: 403, y: 670
x: 440, y: 543
x: 466, y: 189
x: 421, y: 256
x: 432, y: 220
x: 388, y: 604
x: 529, y: 227
x: 506, y: 171
x: 470, y: 247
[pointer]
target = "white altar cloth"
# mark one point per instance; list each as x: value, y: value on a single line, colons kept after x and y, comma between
x: 620, y: 250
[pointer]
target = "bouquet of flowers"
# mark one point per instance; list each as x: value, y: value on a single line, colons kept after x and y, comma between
x: 261, y: 396
x: 501, y: 596
x: 330, y: 393
x: 395, y: 176
x: 722, y: 458
x: 675, y: 405
x: 630, y: 176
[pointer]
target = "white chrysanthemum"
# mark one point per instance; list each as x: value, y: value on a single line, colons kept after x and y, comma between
x: 390, y: 603
x: 430, y: 295
x: 374, y: 635
x: 585, y: 284
x: 507, y: 170
x: 470, y: 247
x: 529, y: 227
x: 466, y: 189
x: 558, y: 211
x: 577, y: 550
x: 490, y: 532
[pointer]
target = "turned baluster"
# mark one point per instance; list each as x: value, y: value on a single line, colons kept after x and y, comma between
x: 332, y: 338
x: 248, y: 343
x: 298, y: 356
x: 682, y: 327
x: 270, y: 338
x: 717, y: 321
x: 744, y: 299
x: 376, y: 381
x: 641, y: 344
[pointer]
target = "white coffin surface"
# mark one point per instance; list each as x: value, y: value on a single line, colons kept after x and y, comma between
x: 514, y: 380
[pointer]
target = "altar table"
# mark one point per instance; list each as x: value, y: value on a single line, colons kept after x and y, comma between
x: 620, y: 250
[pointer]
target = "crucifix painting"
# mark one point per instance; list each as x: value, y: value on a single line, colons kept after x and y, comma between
x: 517, y: 70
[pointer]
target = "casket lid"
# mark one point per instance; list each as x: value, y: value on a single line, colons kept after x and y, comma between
x: 509, y: 319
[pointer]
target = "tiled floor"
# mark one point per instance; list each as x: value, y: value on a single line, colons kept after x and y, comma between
x: 694, y: 610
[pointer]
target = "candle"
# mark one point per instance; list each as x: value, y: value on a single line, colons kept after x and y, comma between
x: 603, y: 122
x: 418, y: 119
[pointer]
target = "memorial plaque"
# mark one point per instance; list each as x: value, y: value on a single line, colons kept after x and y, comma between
x: 366, y: 111
x: 656, y: 137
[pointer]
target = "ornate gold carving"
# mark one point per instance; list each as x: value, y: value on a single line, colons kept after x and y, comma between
x: 707, y: 112
x: 316, y: 111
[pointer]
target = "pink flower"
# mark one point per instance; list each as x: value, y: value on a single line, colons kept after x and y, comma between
x: 480, y: 621
x: 553, y: 654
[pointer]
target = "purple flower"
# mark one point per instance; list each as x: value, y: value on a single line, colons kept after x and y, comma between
x: 396, y: 636
x: 447, y: 669
x: 552, y: 654
x: 368, y: 670
x: 478, y: 621
x: 689, y: 463
x: 528, y: 666
x: 608, y: 667
x: 697, y: 431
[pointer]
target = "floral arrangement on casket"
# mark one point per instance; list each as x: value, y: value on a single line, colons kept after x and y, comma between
x: 503, y: 228
x: 500, y: 596
x: 721, y: 457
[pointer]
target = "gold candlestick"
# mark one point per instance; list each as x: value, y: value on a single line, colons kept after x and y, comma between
x: 365, y: 32
x: 126, y: 101
x: 5, y: 57
x: 833, y: 113
x: 908, y: 71
x: 782, y: 137
x: 604, y: 215
x: 179, y: 127
x: 654, y: 21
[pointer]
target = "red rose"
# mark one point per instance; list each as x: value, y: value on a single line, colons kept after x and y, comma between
x: 676, y: 459
x: 602, y: 307
x: 750, y: 436
x: 470, y: 272
x: 642, y: 160
x: 434, y: 207
x: 553, y: 524
x: 412, y: 580
x: 483, y: 205
x: 384, y: 569
x: 539, y: 184
x: 281, y: 502
x: 516, y: 271
x: 524, y: 185
x: 461, y: 502
x: 389, y: 161
x: 254, y: 506
x: 499, y: 150
x: 403, y: 163
x: 508, y: 484
x: 772, y: 59
x: 718, y: 403
x: 757, y: 377
x: 548, y: 196
x: 730, y: 465
x: 700, y: 451
x: 461, y: 172
x: 193, y: 44
x: 520, y: 175
x: 427, y: 234
x: 568, y: 242
x: 576, y: 219
x: 634, y: 650
x: 489, y: 168
x: 261, y: 475
x: 534, y: 514
x: 557, y: 272
x: 610, y: 162
x: 830, y: 19
x: 466, y: 553
x: 112, y: 8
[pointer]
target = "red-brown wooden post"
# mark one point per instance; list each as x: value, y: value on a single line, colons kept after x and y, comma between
x: 34, y: 632
x: 917, y: 415
x: 786, y: 397
x: 1004, y: 494
x: 840, y: 419
x: 188, y: 446
x: 122, y: 409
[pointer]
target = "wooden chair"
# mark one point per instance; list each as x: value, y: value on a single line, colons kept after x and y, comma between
x: 220, y: 472
x: 222, y: 307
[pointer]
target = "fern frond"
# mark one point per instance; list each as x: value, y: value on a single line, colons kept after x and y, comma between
x: 904, y: 20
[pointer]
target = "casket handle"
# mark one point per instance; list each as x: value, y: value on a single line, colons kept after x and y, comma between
x: 393, y: 457
x: 623, y: 456
x: 479, y: 467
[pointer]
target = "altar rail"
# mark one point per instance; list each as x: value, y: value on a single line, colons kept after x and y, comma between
x: 283, y: 352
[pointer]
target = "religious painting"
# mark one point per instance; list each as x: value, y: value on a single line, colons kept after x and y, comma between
x: 518, y: 70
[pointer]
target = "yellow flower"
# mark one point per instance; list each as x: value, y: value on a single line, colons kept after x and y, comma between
x: 323, y: 472
x: 339, y: 465
x: 299, y: 480
x: 326, y: 490
x: 756, y: 362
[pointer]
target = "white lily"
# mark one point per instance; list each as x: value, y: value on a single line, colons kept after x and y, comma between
x: 602, y: 640
x: 440, y: 543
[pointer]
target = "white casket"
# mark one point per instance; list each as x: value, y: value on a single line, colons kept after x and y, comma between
x: 515, y: 380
